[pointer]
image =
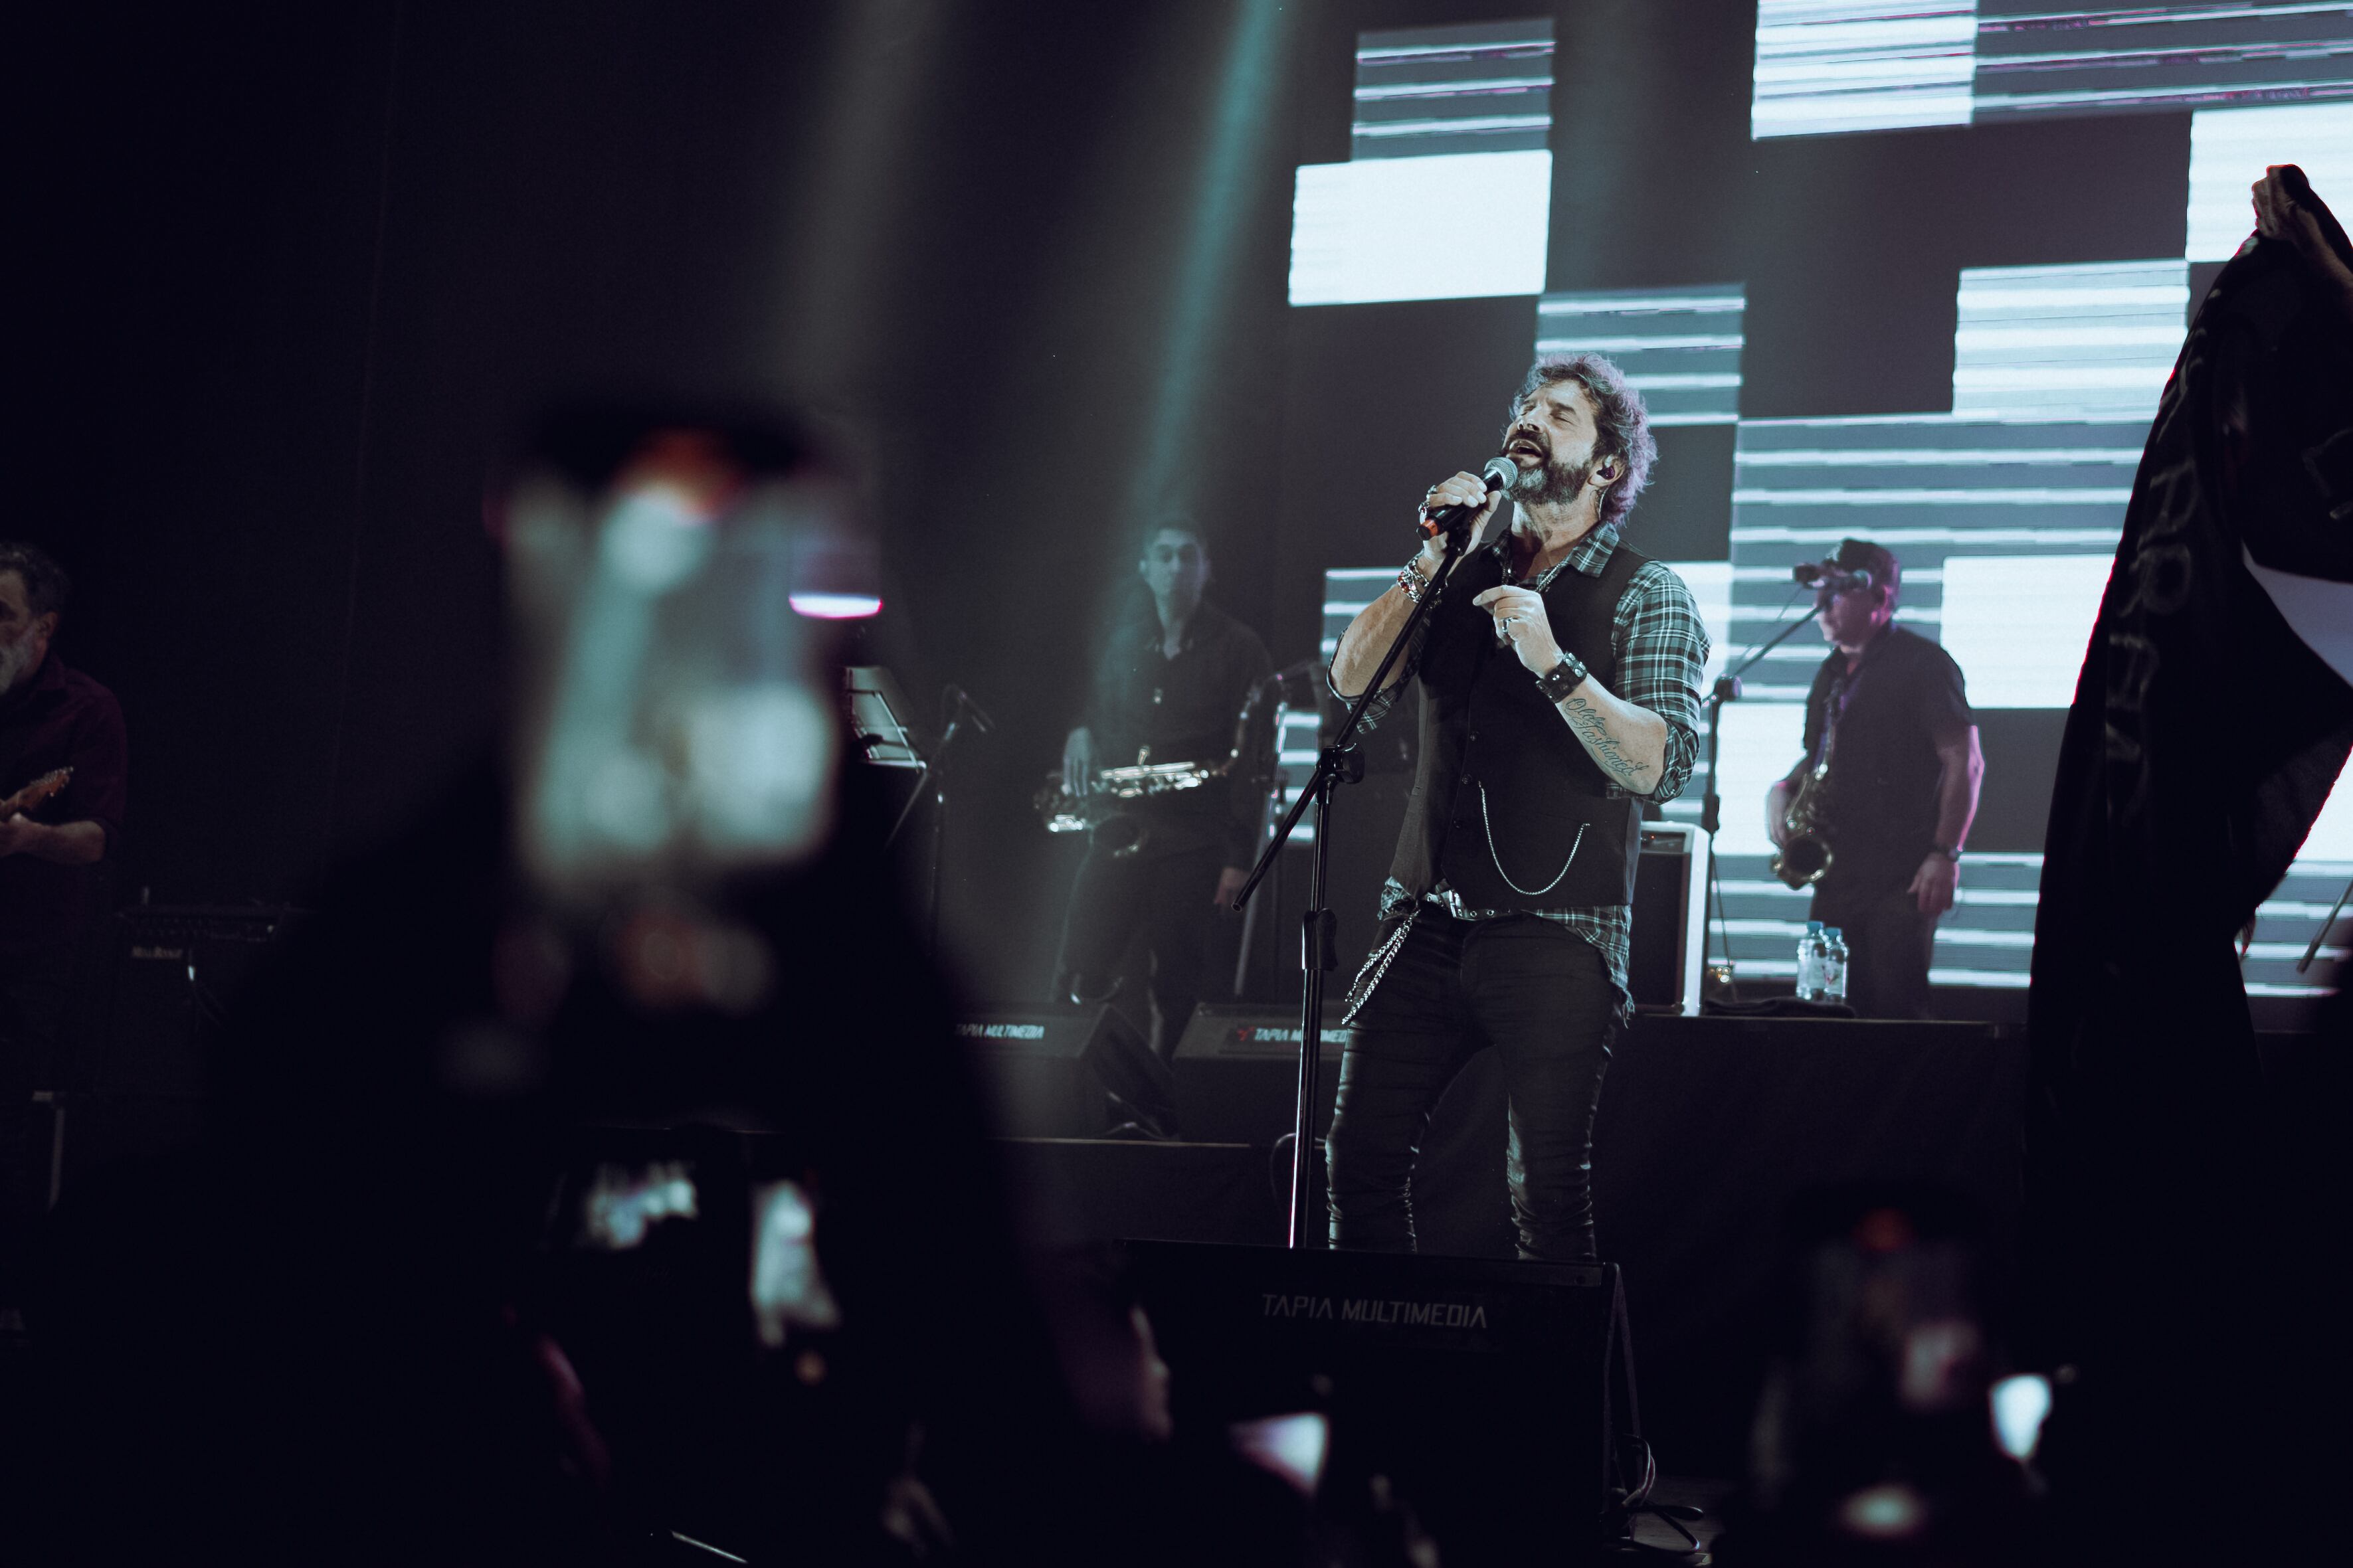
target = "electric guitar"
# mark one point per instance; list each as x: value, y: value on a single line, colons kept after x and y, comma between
x: 33, y: 793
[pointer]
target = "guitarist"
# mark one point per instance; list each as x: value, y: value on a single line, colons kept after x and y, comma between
x: 55, y: 834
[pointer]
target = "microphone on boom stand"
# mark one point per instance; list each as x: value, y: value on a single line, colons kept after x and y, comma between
x: 1831, y: 576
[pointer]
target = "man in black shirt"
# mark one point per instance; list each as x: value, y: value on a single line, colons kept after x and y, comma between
x: 1888, y: 710
x: 1171, y: 688
x: 54, y: 855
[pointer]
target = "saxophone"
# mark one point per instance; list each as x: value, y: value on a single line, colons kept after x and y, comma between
x: 1805, y: 853
x: 1099, y: 811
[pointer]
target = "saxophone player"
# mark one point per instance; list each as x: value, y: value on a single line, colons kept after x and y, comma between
x: 1889, y: 716
x: 1168, y: 690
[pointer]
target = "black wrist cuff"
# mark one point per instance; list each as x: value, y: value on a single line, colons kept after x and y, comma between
x: 1563, y: 677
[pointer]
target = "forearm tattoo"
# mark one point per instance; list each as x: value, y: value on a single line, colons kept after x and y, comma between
x: 1592, y: 727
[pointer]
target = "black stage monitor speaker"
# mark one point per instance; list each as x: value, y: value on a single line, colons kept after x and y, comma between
x: 1237, y: 1072
x: 1495, y: 1398
x: 1050, y: 1072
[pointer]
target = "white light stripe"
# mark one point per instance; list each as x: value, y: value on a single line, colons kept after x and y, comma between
x: 1452, y: 127
x: 2071, y: 337
x: 1632, y: 344
x: 1442, y: 88
x: 1875, y: 111
x: 1784, y: 929
x: 2204, y: 94
x: 1725, y: 417
x: 1980, y: 979
x: 1735, y: 889
x: 1361, y: 572
x: 1812, y: 37
x: 1791, y: 77
x: 1973, y: 457
x: 2267, y: 988
x: 2143, y: 15
x: 2290, y: 952
x: 1970, y: 936
x: 1683, y: 382
x: 1957, y: 422
x: 1616, y: 304
x: 2045, y: 413
x: 1348, y: 607
x: 2020, y: 378
x: 1914, y: 577
x: 1893, y: 536
x: 2145, y: 296
x: 2211, y: 54
x: 1539, y: 43
x: 2087, y: 495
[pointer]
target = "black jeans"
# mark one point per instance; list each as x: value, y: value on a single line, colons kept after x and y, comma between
x: 1539, y: 995
x: 1164, y: 900
x: 1888, y: 944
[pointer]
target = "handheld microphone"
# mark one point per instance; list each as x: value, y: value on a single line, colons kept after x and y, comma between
x: 1499, y: 474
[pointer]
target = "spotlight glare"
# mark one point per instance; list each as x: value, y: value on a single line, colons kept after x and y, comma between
x: 838, y: 606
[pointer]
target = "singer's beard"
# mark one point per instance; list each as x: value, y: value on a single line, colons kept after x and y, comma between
x: 16, y: 663
x: 1553, y: 484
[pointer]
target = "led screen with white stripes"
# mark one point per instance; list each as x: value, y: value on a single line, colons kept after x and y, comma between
x: 1680, y: 348
x: 1447, y: 120
x: 2001, y: 476
x: 1825, y: 67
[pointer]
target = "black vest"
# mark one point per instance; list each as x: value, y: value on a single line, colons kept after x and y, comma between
x: 1500, y: 767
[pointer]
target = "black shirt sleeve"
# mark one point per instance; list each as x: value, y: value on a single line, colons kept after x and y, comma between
x: 1817, y: 703
x: 1944, y: 698
x: 99, y: 755
x: 1247, y: 785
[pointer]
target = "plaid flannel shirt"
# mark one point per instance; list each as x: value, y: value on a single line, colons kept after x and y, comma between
x: 1661, y: 649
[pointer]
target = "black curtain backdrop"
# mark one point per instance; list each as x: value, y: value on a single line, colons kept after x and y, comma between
x: 295, y: 275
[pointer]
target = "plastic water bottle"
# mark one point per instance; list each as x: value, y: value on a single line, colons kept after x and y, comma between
x: 1810, y: 963
x: 1833, y: 963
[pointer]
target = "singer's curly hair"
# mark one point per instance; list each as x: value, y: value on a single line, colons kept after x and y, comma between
x: 1621, y: 424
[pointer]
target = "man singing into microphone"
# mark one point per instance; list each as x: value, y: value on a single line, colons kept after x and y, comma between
x: 1559, y: 681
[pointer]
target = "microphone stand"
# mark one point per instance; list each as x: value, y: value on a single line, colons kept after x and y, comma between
x: 1339, y: 762
x: 933, y: 781
x: 1711, y: 804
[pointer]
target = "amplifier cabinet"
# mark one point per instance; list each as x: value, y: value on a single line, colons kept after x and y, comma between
x: 175, y: 972
x: 1669, y: 944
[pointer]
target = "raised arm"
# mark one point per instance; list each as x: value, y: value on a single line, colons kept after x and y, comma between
x: 1377, y: 625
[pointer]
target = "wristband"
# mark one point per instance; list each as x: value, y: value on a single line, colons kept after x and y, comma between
x: 1948, y: 852
x: 1414, y: 583
x: 1562, y: 678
